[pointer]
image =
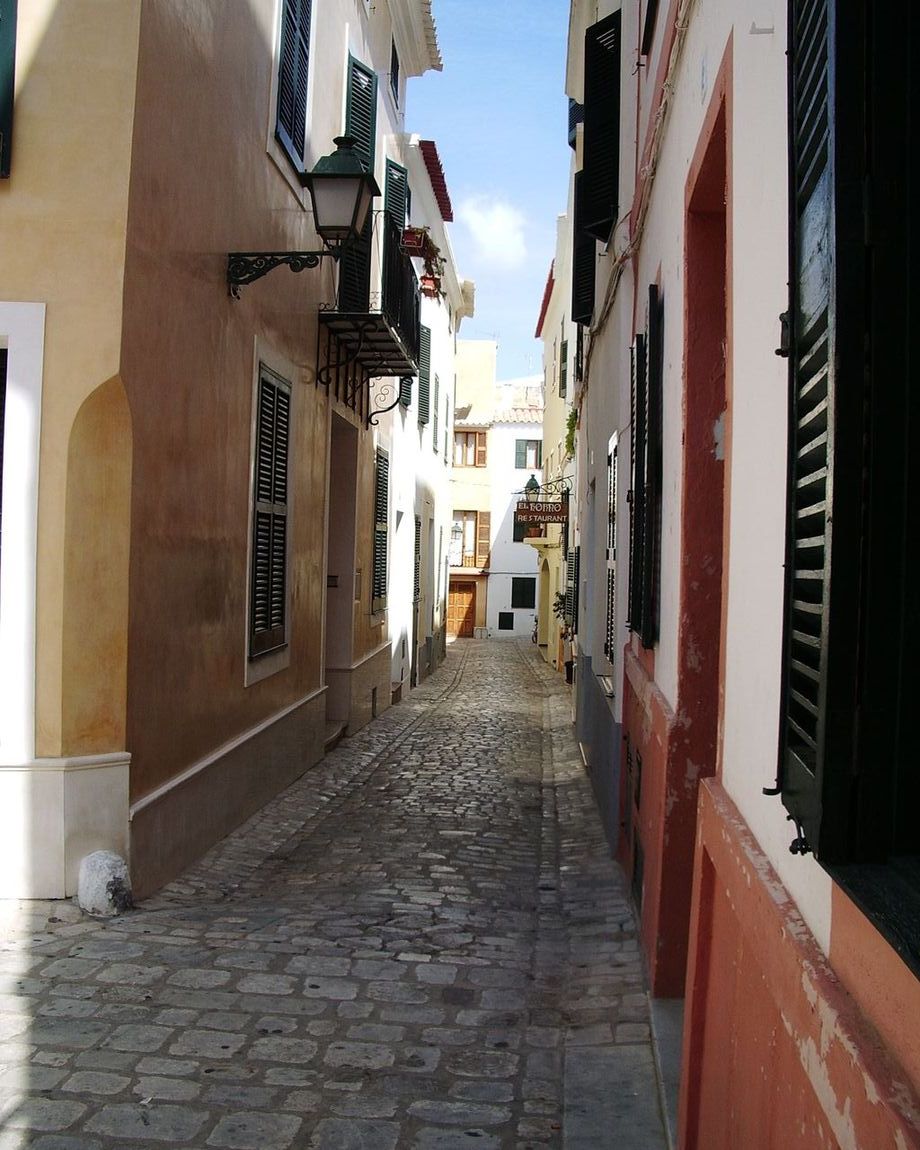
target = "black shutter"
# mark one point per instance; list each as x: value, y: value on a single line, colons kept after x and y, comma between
x: 268, y: 575
x: 424, y: 375
x: 417, y: 577
x: 7, y: 83
x: 434, y: 430
x: 648, y: 27
x: 637, y: 491
x: 291, y: 123
x: 584, y: 259
x: 601, y: 167
x: 381, y: 530
x: 361, y: 124
x: 572, y: 575
x: 610, y: 631
x: 405, y: 391
x: 651, y: 556
x: 563, y: 368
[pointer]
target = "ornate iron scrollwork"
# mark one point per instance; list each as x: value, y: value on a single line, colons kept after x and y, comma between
x: 245, y: 267
x: 390, y: 386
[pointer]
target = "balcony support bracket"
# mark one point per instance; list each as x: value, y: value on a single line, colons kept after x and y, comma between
x: 246, y: 267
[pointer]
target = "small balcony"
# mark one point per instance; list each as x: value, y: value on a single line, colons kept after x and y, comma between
x: 375, y: 325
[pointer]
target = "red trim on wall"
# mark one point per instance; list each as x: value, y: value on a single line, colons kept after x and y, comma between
x: 775, y: 1051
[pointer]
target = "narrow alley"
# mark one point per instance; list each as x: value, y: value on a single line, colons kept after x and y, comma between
x: 421, y: 943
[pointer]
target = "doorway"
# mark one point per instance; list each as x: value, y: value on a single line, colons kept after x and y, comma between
x: 461, y: 609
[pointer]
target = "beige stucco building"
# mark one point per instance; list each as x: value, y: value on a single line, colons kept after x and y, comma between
x: 196, y: 511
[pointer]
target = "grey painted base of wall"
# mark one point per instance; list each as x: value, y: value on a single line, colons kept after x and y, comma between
x: 175, y: 830
x: 601, y: 741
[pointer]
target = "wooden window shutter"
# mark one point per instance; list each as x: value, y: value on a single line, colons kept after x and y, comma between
x: 601, y: 167
x: 637, y: 490
x: 268, y: 574
x: 572, y: 575
x: 381, y: 531
x: 481, y: 449
x: 417, y: 576
x: 610, y: 633
x: 483, y: 538
x: 291, y: 122
x: 584, y: 260
x: 648, y: 27
x: 563, y: 368
x: 651, y: 551
x: 520, y: 454
x: 405, y: 391
x: 437, y: 400
x: 396, y: 192
x: 424, y: 375
x: 812, y: 427
x: 361, y: 124
x: 7, y: 83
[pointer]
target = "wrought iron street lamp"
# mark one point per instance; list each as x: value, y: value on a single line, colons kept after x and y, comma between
x: 341, y: 191
x: 531, y: 489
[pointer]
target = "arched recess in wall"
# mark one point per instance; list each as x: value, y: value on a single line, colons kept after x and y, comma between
x: 96, y: 564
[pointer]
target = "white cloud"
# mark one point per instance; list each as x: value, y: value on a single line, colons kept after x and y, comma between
x: 497, y: 231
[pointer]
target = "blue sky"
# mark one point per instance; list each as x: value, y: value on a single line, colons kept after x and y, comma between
x: 499, y: 117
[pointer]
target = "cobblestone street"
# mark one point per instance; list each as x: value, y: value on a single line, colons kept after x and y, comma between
x: 422, y: 943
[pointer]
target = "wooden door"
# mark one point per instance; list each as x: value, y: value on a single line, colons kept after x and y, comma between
x: 461, y: 609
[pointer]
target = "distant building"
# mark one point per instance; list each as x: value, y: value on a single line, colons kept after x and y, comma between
x: 498, y: 445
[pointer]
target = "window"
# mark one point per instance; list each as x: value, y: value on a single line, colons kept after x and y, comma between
x: 360, y: 123
x: 648, y: 26
x: 610, y: 630
x: 469, y: 449
x: 291, y: 121
x: 523, y: 592
x: 848, y: 763
x: 424, y: 375
x: 7, y: 77
x: 563, y: 368
x: 268, y: 571
x: 506, y: 620
x: 394, y: 72
x: 645, y: 496
x: 601, y: 165
x: 524, y: 531
x: 381, y: 531
x: 528, y: 454
x: 470, y: 539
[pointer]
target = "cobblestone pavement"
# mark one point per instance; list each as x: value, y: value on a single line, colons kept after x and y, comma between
x: 422, y: 943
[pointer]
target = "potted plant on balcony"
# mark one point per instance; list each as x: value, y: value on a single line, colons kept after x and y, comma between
x: 417, y: 242
x: 431, y: 277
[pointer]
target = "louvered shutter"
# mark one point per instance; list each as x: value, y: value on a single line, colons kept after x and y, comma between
x: 480, y: 449
x: 361, y: 124
x: 405, y: 391
x: 812, y: 431
x: 637, y: 491
x: 584, y: 259
x: 483, y: 538
x: 434, y: 430
x: 268, y: 575
x: 651, y: 551
x: 291, y: 123
x: 417, y: 576
x: 520, y: 454
x: 381, y: 531
x: 610, y: 632
x: 572, y: 575
x: 7, y: 83
x: 395, y: 205
x: 563, y: 368
x: 424, y: 375
x: 601, y: 167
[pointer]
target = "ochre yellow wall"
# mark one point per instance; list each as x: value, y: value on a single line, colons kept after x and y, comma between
x: 63, y: 217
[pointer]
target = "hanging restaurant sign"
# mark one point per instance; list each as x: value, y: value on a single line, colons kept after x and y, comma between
x: 555, y: 512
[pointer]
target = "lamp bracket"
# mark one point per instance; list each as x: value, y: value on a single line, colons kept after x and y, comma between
x: 392, y: 385
x: 245, y: 267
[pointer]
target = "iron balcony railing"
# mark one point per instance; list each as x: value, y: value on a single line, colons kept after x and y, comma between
x: 400, y: 300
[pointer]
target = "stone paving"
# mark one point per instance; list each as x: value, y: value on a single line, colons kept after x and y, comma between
x: 421, y: 944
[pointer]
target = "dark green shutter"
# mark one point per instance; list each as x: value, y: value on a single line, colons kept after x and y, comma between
x: 638, y: 409
x: 291, y: 123
x: 268, y: 575
x: 405, y: 391
x: 7, y: 83
x: 520, y: 454
x: 811, y: 447
x: 361, y: 124
x: 584, y: 259
x: 424, y: 375
x: 572, y: 574
x: 601, y: 166
x: 648, y: 27
x: 381, y: 530
x: 434, y: 430
x: 417, y: 577
x: 563, y: 368
x: 651, y: 551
